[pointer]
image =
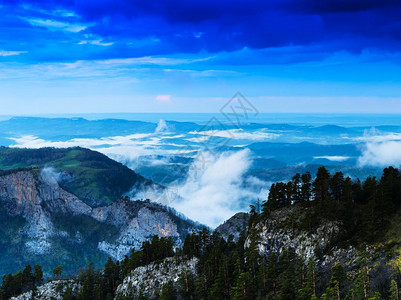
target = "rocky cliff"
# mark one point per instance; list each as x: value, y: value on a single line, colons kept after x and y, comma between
x: 149, y: 280
x: 53, y: 223
x: 233, y: 226
x: 53, y: 290
x: 284, y: 230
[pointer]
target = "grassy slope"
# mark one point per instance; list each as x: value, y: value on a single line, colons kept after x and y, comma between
x: 92, y: 176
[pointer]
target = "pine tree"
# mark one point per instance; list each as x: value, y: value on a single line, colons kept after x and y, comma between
x: 306, y: 191
x: 186, y: 285
x: 309, y: 278
x: 222, y: 284
x: 362, y: 283
x: 111, y: 276
x: 28, y: 278
x: 57, y: 271
x: 38, y: 275
x: 168, y: 292
x: 88, y: 285
x: 394, y: 291
x: 296, y: 184
x: 321, y: 185
x: 336, y: 184
x: 262, y: 279
x: 242, y: 289
x: 289, y: 268
x: 68, y: 295
x: 272, y: 275
x: 337, y: 280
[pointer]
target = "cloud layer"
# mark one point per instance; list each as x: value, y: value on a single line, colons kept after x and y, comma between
x: 381, y: 150
x: 213, y: 190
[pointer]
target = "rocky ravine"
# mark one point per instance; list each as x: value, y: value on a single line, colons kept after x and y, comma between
x: 36, y: 197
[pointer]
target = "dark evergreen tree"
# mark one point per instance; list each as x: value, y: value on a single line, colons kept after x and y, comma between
x: 306, y: 187
x: 336, y: 184
x: 38, y: 275
x: 321, y: 185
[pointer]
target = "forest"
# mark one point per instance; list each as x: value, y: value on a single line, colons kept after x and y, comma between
x: 229, y: 269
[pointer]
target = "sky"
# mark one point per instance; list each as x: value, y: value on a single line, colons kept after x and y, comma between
x: 108, y: 56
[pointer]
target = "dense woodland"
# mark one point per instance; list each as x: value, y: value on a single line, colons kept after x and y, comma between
x: 228, y: 270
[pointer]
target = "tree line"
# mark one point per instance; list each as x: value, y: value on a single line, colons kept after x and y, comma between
x: 364, y: 207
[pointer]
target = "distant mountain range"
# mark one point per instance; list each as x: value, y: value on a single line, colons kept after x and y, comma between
x: 168, y: 151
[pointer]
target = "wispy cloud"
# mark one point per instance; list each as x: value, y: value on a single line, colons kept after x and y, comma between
x: 237, y: 134
x: 333, y: 158
x: 98, y: 42
x: 54, y: 25
x: 11, y: 53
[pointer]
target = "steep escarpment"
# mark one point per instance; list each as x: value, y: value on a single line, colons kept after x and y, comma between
x: 43, y: 223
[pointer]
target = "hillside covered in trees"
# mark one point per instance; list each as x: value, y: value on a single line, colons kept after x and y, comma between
x: 367, y: 214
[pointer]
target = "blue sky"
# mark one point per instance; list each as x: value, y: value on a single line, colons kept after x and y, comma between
x: 191, y: 56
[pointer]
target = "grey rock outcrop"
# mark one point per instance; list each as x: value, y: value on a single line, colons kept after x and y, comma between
x: 53, y: 290
x: 233, y: 226
x: 281, y: 232
x: 149, y: 280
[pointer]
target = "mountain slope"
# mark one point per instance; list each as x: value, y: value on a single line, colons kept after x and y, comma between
x: 90, y: 175
x: 43, y: 223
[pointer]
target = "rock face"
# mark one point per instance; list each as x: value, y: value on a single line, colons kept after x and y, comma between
x: 36, y: 198
x: 53, y: 290
x: 281, y: 232
x: 234, y: 226
x: 149, y: 280
x: 54, y: 218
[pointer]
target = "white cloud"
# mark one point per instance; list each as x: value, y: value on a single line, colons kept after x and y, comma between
x: 333, y: 158
x: 381, y: 154
x: 213, y: 190
x: 161, y: 126
x: 11, y: 53
x: 238, y: 134
x: 380, y: 150
x: 377, y: 138
x: 98, y: 42
x: 153, y: 60
x: 30, y: 141
x: 53, y: 25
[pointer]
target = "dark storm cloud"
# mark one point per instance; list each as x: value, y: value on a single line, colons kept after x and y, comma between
x: 139, y: 28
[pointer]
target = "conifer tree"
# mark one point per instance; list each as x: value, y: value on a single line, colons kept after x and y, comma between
x: 168, y: 292
x: 309, y: 278
x: 38, y: 274
x: 306, y: 190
